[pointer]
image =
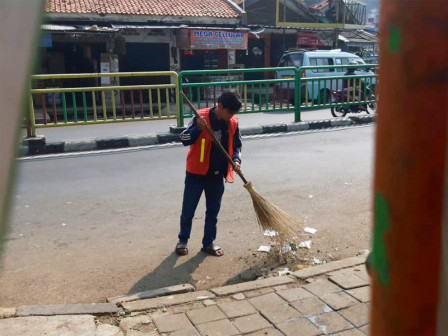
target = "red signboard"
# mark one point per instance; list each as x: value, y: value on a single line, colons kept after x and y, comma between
x: 308, y: 39
x: 211, y: 39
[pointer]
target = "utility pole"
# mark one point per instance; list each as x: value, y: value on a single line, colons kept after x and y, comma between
x: 409, y: 263
x: 336, y: 31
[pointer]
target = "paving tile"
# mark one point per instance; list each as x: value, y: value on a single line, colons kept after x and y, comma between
x: 351, y: 332
x: 107, y: 330
x: 321, y: 287
x: 217, y: 328
x: 361, y: 271
x: 339, y: 300
x: 311, y: 306
x: 48, y: 325
x: 343, y: 271
x: 266, y: 301
x: 294, y: 294
x: 209, y: 302
x: 186, y: 332
x: 279, y: 314
x: 361, y: 293
x: 329, y: 267
x: 250, y: 323
x: 330, y: 323
x: 168, y: 323
x: 258, y: 292
x: 365, y: 329
x: 266, y: 332
x: 291, y: 328
x: 358, y: 314
x: 348, y: 281
x: 251, y: 285
x: 136, y: 322
x: 281, y: 287
x: 207, y: 314
x: 237, y: 308
x: 140, y: 333
x: 239, y: 296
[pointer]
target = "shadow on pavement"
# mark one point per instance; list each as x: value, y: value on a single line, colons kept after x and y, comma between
x: 167, y: 275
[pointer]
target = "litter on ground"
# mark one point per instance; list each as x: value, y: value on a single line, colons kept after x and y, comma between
x: 319, y: 261
x: 270, y: 233
x: 285, y: 248
x: 305, y: 244
x: 310, y: 230
x: 263, y: 248
x: 284, y: 271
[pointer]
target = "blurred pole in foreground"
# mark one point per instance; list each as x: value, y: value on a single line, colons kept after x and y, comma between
x: 410, y: 241
x: 19, y: 29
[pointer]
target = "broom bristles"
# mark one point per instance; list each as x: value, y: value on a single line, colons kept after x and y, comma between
x: 270, y: 217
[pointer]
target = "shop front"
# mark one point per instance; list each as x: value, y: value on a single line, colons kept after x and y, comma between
x: 208, y: 49
x: 212, y: 49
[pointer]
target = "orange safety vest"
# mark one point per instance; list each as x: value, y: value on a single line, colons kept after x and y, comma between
x: 198, y: 158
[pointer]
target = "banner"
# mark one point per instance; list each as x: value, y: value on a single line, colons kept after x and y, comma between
x: 211, y: 39
x: 309, y: 39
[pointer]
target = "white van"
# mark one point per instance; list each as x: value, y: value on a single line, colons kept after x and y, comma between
x: 318, y: 58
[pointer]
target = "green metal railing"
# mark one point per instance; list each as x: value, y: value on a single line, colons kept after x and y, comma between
x: 337, y: 91
x: 268, y: 95
x: 203, y: 87
x: 70, y: 106
x: 278, y: 89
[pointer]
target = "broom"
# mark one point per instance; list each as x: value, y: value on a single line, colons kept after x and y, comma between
x: 269, y: 216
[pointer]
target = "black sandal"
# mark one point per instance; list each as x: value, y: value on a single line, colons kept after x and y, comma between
x: 213, y: 250
x: 181, y: 249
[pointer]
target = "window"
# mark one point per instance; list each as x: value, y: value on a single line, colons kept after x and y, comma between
x: 358, y: 60
x: 321, y: 62
x: 288, y: 61
x: 344, y: 62
x: 297, y: 60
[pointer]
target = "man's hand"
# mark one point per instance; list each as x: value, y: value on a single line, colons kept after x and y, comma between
x: 236, y: 167
x: 202, y: 123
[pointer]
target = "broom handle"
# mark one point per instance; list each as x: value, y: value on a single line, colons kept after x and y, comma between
x: 213, y: 137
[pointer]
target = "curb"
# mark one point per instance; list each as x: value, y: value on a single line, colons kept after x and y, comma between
x: 175, y: 295
x: 38, y: 145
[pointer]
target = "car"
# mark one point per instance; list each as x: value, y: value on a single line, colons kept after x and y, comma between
x: 317, y: 91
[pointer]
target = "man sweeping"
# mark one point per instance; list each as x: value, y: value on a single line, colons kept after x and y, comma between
x: 207, y: 168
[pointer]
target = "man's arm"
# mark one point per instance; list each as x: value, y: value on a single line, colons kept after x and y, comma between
x: 237, y: 146
x: 191, y: 134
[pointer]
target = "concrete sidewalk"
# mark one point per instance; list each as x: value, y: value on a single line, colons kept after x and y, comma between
x: 329, y: 299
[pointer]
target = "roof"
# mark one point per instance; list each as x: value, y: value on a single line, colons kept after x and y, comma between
x: 193, y: 8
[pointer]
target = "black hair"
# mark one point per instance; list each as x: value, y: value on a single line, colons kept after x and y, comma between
x: 230, y: 100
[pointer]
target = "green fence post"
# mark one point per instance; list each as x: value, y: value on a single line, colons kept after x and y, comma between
x: 64, y: 107
x: 297, y: 95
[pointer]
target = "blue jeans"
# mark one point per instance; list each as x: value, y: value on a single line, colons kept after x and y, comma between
x: 214, y: 189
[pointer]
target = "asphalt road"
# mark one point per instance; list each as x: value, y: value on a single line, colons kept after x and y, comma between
x: 87, y: 227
